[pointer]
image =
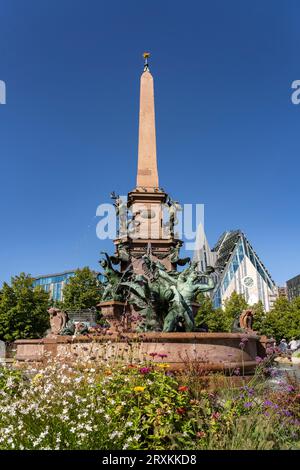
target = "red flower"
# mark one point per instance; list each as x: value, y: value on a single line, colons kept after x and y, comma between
x: 200, y: 434
x: 181, y: 411
x: 183, y: 388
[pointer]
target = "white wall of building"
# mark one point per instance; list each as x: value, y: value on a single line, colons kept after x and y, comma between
x: 247, y: 281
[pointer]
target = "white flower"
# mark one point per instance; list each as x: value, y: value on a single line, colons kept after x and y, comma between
x: 9, y: 382
x: 115, y: 434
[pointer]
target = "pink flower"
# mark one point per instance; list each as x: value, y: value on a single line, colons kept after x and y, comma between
x: 270, y: 351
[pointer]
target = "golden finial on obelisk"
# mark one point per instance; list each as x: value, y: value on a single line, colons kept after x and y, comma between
x: 146, y: 56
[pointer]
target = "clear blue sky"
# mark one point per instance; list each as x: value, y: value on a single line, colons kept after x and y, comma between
x: 227, y: 132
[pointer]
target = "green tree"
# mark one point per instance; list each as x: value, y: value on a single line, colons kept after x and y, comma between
x: 259, y: 317
x: 83, y: 290
x: 294, y: 330
x: 219, y: 319
x: 23, y: 309
x: 208, y: 316
x: 232, y: 308
x: 283, y: 320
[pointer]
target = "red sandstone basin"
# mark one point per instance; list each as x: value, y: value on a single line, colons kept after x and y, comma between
x: 213, y: 351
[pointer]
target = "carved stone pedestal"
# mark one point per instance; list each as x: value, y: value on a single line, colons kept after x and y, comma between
x: 115, y: 314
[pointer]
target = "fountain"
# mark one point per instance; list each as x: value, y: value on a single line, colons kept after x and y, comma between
x: 148, y: 305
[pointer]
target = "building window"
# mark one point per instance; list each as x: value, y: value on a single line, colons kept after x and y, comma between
x: 235, y: 263
x: 217, y: 301
x: 240, y: 251
x: 226, y: 282
x: 57, y: 291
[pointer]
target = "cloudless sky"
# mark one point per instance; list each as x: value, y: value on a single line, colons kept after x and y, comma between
x: 227, y: 131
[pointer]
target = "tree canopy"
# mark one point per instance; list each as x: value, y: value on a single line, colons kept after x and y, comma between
x: 282, y: 321
x: 83, y: 290
x: 219, y: 319
x: 23, y: 309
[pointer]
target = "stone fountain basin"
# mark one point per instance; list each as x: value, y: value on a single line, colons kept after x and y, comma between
x: 210, y: 351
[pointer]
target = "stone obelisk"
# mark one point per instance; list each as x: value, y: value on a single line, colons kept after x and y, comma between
x: 147, y: 202
x: 147, y: 174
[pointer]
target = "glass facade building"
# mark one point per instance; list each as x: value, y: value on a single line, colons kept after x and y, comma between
x: 238, y: 268
x: 54, y: 283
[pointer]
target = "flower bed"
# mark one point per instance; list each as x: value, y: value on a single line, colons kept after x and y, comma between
x: 143, y: 406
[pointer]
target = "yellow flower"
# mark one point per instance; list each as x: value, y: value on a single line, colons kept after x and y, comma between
x: 139, y: 389
x: 37, y: 378
x: 163, y: 366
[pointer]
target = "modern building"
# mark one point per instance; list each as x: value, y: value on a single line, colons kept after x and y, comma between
x: 237, y: 268
x: 54, y: 283
x: 293, y: 287
x: 282, y: 291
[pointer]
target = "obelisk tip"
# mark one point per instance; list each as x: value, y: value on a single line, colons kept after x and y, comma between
x: 146, y: 56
